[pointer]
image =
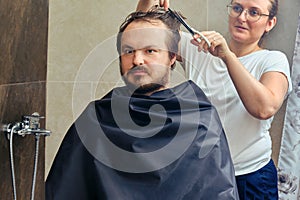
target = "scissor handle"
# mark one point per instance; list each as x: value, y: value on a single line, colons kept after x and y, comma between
x: 202, y: 37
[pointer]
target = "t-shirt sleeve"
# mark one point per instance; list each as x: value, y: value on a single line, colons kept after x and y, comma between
x: 277, y: 61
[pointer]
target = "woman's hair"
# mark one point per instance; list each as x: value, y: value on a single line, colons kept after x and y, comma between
x: 151, y: 16
x: 273, y: 9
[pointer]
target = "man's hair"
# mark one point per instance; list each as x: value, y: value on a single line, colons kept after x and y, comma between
x: 151, y: 16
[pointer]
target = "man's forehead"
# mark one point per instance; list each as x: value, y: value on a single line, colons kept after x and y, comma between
x: 146, y: 23
x: 145, y: 34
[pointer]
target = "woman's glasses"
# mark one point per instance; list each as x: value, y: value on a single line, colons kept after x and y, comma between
x: 252, y: 14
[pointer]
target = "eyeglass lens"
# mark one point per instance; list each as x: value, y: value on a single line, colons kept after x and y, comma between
x: 252, y: 14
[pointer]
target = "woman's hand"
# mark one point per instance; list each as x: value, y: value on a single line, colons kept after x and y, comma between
x: 145, y: 5
x: 164, y: 3
x: 218, y: 46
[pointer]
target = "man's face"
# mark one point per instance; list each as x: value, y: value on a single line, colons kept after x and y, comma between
x: 145, y: 60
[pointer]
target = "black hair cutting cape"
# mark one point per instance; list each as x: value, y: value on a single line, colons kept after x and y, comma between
x: 169, y: 146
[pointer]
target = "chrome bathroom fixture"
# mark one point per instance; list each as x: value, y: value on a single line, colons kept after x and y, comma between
x: 30, y: 125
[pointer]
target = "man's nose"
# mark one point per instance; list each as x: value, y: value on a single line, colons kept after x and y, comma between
x: 138, y: 58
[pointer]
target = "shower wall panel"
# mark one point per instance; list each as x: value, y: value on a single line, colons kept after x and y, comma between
x: 23, y: 67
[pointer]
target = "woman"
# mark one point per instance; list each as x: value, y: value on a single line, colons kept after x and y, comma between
x: 246, y: 83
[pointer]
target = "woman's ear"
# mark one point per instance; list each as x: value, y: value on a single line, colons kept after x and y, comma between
x: 270, y: 24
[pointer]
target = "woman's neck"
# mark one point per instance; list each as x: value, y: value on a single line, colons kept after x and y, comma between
x: 242, y: 49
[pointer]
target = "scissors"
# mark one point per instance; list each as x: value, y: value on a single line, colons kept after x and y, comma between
x: 189, y: 28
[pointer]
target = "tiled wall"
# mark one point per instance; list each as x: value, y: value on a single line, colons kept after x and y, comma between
x: 82, y: 61
x: 23, y: 67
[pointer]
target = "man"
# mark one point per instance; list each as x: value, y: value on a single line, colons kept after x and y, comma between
x: 145, y: 140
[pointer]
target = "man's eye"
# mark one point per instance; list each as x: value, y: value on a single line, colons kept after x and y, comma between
x: 237, y: 9
x: 127, y: 51
x: 254, y: 12
x: 151, y: 51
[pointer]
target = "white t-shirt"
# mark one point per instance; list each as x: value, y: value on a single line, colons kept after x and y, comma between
x: 249, y: 139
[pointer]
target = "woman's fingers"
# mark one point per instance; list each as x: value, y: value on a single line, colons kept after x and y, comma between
x: 215, y: 39
x: 164, y: 3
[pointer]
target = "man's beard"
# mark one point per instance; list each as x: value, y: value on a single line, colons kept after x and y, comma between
x: 145, y: 88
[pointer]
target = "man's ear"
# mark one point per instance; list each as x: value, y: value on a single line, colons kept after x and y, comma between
x: 173, y: 58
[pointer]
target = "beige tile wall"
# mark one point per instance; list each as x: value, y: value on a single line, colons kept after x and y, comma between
x: 83, y: 64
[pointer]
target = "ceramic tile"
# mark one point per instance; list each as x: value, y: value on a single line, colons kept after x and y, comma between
x: 195, y: 12
x: 23, y: 42
x: 283, y: 36
x: 66, y: 100
x: 217, y: 16
x: 21, y: 99
x: 75, y: 31
x: 276, y: 132
x: 17, y: 100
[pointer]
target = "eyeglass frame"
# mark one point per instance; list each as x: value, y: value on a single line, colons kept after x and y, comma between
x: 230, y: 8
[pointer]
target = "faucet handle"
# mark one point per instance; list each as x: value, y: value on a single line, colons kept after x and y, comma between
x: 32, y: 121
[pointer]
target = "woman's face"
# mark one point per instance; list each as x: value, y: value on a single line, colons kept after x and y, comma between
x: 245, y: 31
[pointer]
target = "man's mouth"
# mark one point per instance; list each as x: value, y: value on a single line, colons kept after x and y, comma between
x: 138, y: 71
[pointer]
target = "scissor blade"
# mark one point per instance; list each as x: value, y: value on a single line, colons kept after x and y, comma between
x: 190, y: 29
x: 181, y: 20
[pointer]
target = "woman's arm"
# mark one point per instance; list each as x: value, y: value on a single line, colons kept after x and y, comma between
x: 261, y: 98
